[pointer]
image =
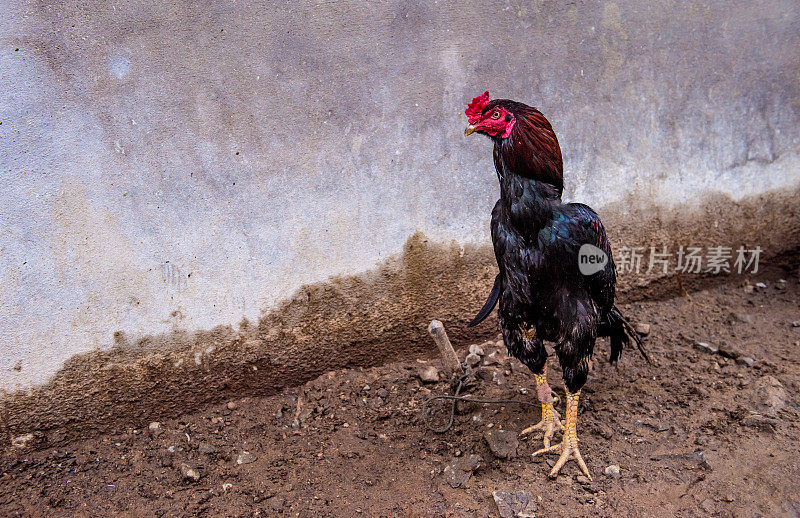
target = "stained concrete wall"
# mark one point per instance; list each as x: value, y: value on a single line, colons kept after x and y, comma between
x: 169, y: 167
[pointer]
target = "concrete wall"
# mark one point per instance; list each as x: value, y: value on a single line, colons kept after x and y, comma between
x: 169, y: 167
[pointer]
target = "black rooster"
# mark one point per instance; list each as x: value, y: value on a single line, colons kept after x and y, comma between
x: 542, y: 293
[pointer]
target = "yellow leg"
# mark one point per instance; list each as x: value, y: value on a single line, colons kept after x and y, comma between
x: 569, y: 444
x: 550, y: 422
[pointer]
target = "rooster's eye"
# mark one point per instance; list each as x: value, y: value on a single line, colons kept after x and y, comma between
x: 495, y: 115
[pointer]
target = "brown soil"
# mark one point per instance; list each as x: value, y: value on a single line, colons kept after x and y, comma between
x: 695, y: 433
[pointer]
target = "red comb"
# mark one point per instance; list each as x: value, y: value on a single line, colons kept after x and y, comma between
x: 475, y: 108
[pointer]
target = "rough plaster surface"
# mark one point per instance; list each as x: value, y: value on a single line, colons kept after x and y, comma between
x: 167, y: 168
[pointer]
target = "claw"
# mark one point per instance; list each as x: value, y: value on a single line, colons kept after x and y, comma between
x: 569, y: 453
x: 549, y: 426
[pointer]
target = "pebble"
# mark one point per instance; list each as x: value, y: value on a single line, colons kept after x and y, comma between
x: 743, y: 317
x: 583, y: 480
x: 492, y: 359
x: 745, y: 360
x: 781, y: 284
x: 383, y: 393
x: 155, y: 425
x: 728, y: 352
x: 749, y: 288
x: 796, y: 323
x: 472, y: 359
x: 245, y: 458
x: 204, y: 447
x: 769, y: 396
x: 761, y: 286
x: 22, y: 441
x: 612, y: 471
x: 429, y: 374
x: 458, y: 472
x: 513, y: 504
x: 706, y: 347
x: 189, y: 473
x: 476, y: 349
x: 502, y: 443
x: 231, y: 405
x: 484, y: 374
x: 643, y: 328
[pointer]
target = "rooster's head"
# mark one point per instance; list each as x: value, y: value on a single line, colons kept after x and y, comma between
x: 489, y: 117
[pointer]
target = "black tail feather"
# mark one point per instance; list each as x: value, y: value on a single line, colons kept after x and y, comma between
x: 491, y: 302
x: 621, y: 332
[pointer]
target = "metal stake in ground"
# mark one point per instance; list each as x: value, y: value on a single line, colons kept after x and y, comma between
x: 452, y: 366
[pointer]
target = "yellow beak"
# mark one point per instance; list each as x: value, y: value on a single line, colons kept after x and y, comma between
x: 469, y: 130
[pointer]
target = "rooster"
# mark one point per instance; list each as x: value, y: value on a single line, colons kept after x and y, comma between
x: 537, y: 243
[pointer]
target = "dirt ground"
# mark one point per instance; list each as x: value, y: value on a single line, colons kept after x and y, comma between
x: 694, y: 434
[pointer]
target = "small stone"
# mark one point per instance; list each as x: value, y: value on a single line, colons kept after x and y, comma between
x: 484, y: 374
x: 21, y: 442
x: 226, y: 486
x: 749, y: 288
x: 155, y: 425
x: 769, y: 396
x: 583, y: 480
x: 367, y: 387
x: 472, y: 359
x: 706, y: 347
x: 781, y: 284
x: 796, y: 323
x: 612, y: 471
x: 429, y: 374
x: 458, y: 472
x: 761, y: 286
x: 701, y: 440
x: 643, y: 328
x: 476, y: 349
x: 493, y: 358
x: 502, y: 443
x: 383, y: 393
x: 520, y: 504
x: 204, y: 447
x: 189, y: 473
x: 499, y: 378
x: 728, y: 352
x: 245, y: 458
x: 745, y: 360
x: 743, y: 318
x: 231, y: 405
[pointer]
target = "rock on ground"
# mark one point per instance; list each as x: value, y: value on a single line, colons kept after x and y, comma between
x: 502, y: 443
x: 514, y: 504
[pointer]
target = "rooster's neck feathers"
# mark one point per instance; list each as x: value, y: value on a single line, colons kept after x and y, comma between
x: 532, y: 150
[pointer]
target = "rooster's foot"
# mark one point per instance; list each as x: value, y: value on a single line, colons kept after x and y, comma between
x: 568, y: 452
x: 550, y: 424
